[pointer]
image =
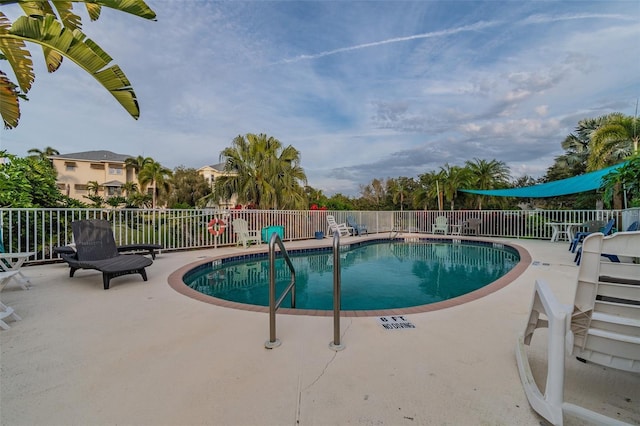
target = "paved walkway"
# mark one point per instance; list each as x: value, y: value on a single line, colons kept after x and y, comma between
x: 143, y: 354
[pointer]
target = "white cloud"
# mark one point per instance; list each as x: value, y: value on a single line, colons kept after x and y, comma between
x: 362, y: 89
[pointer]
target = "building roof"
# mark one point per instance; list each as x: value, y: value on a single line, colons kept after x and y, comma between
x: 219, y: 167
x: 106, y: 156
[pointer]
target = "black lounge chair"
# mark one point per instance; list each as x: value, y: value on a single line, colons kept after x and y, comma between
x: 141, y: 247
x: 96, y: 249
x: 149, y: 249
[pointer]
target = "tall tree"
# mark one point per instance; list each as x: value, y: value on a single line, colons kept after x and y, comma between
x: 187, y: 188
x: 28, y: 182
x: 374, y: 193
x: 46, y: 153
x: 426, y: 195
x: 137, y: 164
x: 157, y: 176
x: 576, y: 146
x: 53, y: 26
x: 613, y: 141
x: 485, y: 174
x: 625, y: 179
x: 400, y: 190
x: 315, y: 196
x: 453, y: 178
x: 260, y: 171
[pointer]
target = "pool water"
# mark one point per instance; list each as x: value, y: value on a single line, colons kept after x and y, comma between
x: 375, y: 276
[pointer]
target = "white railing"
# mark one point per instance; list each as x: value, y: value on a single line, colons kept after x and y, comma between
x: 40, y: 230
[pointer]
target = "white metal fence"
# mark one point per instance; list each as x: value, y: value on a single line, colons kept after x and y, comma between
x: 40, y: 230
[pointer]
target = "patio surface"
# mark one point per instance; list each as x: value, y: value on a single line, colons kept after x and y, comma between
x: 143, y: 354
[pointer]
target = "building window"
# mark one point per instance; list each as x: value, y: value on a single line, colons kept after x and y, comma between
x: 115, y: 170
x: 70, y: 166
x: 113, y: 191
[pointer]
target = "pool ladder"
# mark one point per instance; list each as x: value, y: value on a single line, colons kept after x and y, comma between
x: 274, y: 304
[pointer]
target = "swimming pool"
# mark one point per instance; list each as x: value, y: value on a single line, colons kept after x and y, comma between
x: 377, y: 275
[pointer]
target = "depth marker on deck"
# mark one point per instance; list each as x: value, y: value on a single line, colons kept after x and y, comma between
x: 395, y: 322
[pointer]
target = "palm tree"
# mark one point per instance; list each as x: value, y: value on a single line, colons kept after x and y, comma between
x: 427, y: 191
x: 138, y: 199
x: 400, y: 189
x: 625, y: 177
x: 453, y: 178
x: 576, y: 145
x: 615, y: 140
x: 129, y: 188
x: 487, y: 175
x: 137, y: 164
x: 93, y: 187
x: 315, y: 196
x: 46, y: 153
x: 60, y: 36
x: 261, y: 172
x: 155, y: 175
x: 289, y: 180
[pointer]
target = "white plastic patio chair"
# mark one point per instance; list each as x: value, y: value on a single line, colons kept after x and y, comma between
x: 441, y: 225
x: 245, y: 236
x: 602, y: 326
x: 340, y: 228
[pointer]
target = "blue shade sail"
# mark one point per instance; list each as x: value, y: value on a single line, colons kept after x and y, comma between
x: 572, y: 185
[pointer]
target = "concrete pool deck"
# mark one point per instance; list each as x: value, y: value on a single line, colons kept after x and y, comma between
x: 143, y: 354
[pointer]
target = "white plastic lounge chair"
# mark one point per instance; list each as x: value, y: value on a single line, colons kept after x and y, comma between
x: 440, y: 226
x: 6, y: 311
x: 340, y: 228
x: 245, y: 236
x: 602, y: 326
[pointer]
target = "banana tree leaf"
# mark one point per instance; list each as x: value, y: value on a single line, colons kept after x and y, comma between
x: 9, y: 106
x: 15, y: 51
x: 74, y: 45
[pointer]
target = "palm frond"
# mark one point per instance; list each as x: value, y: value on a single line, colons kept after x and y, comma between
x: 135, y: 7
x: 15, y: 51
x: 9, y: 105
x: 39, y: 8
x: 69, y: 19
x: 93, y: 10
x: 47, y: 32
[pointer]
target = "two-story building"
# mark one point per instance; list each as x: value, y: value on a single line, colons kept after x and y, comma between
x: 78, y: 169
x: 210, y: 174
x: 109, y: 170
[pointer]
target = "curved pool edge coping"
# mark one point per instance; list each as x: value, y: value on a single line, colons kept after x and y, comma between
x: 176, y: 282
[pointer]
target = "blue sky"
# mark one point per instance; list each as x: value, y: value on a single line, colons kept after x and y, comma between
x: 363, y: 90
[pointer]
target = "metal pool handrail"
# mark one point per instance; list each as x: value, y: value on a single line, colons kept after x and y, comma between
x: 273, y: 342
x: 335, y: 345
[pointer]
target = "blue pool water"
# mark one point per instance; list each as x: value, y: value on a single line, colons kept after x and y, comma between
x: 375, y: 276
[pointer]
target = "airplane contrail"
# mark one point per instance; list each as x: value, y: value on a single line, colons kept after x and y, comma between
x: 473, y: 27
x: 534, y: 19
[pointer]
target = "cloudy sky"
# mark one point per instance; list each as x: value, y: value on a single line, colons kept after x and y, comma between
x: 363, y: 90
